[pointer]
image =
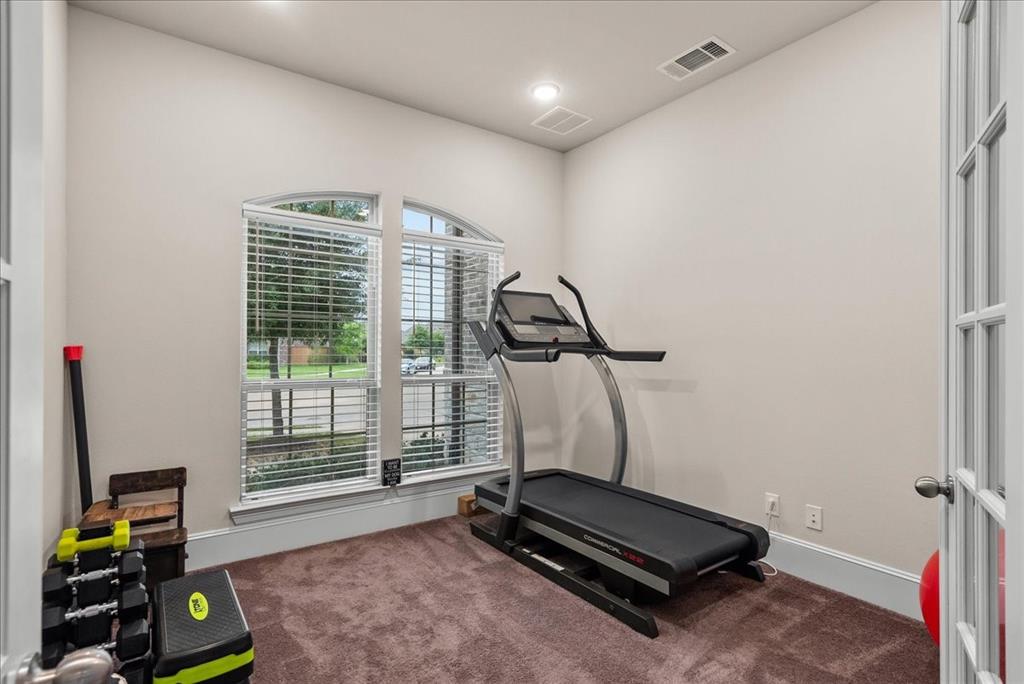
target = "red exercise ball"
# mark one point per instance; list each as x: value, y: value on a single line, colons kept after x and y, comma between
x: 929, y: 595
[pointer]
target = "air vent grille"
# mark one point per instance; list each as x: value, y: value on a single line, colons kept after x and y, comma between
x: 714, y: 49
x: 561, y: 121
x: 696, y: 58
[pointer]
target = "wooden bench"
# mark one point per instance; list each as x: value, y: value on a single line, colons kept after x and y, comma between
x: 165, y: 548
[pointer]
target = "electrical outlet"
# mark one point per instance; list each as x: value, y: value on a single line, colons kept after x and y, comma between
x: 813, y: 514
x: 771, y: 504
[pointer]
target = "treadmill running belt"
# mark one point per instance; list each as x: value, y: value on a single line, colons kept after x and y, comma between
x: 611, y: 511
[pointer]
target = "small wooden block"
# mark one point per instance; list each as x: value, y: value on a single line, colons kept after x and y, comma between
x: 468, y: 507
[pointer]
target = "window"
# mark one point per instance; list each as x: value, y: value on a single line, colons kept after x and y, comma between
x: 310, y: 380
x: 451, y: 402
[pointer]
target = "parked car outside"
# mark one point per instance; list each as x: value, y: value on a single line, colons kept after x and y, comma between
x: 408, y: 366
x: 424, y: 364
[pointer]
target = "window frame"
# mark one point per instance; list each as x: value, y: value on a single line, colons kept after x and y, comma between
x: 264, y: 207
x: 480, y: 241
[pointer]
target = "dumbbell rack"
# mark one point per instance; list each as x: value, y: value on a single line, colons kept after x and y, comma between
x: 94, y: 595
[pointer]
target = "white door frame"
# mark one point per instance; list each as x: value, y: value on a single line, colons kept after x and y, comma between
x: 22, y: 482
x: 954, y: 587
x: 1015, y: 349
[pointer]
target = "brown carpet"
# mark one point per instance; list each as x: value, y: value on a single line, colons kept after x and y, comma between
x: 431, y: 603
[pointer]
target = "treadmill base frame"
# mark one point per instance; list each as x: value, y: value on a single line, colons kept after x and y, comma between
x: 593, y: 593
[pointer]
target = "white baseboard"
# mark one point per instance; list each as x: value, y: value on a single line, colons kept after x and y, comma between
x: 215, y: 547
x: 873, y: 582
x: 869, y: 581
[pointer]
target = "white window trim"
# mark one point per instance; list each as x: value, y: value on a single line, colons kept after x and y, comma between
x: 296, y: 506
x: 260, y: 209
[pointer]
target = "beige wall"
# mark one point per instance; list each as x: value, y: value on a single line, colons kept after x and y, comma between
x: 166, y: 139
x: 777, y: 232
x: 58, y: 461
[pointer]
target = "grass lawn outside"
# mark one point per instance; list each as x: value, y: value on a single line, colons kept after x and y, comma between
x: 260, y: 370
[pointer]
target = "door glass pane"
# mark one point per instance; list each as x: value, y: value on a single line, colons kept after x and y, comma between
x: 997, y: 599
x: 996, y: 242
x: 967, y: 244
x: 995, y: 379
x: 967, y: 399
x: 997, y: 54
x: 969, y: 76
x: 967, y: 561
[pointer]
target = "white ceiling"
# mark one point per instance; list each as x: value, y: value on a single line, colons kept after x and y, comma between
x: 476, y: 61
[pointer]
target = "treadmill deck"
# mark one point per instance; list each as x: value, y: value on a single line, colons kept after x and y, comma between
x: 680, y: 541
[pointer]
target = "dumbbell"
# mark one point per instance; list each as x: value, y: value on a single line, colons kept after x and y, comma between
x: 91, y: 547
x: 131, y: 642
x: 61, y: 586
x: 138, y: 671
x: 92, y: 624
x: 84, y: 665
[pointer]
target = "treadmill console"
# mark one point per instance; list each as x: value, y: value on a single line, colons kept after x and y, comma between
x: 536, y: 318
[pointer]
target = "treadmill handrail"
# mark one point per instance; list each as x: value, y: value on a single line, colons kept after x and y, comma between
x: 492, y: 315
x: 551, y: 352
x: 595, y: 336
x: 544, y: 354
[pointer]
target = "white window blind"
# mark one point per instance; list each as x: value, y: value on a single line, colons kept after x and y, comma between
x: 310, y: 380
x: 451, y: 401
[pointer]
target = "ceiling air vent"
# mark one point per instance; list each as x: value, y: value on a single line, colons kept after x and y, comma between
x: 561, y: 121
x: 696, y: 58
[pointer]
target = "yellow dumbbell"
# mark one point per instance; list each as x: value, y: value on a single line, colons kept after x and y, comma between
x: 69, y: 544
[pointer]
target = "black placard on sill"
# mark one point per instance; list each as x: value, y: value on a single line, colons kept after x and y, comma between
x: 390, y: 472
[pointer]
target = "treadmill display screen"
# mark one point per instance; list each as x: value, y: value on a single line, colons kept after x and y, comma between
x: 532, y: 308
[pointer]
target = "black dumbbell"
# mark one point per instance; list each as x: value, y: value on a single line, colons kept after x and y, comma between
x: 131, y: 643
x: 53, y: 653
x: 132, y: 640
x: 61, y: 586
x: 138, y: 671
x: 92, y: 624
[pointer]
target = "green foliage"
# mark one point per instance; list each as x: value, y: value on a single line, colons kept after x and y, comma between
x: 350, y: 342
x: 420, y: 342
x: 313, y: 459
x: 416, y: 453
x: 290, y: 288
x: 343, y: 209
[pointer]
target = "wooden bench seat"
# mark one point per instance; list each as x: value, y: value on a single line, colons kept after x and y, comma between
x: 140, y: 515
x: 175, y: 536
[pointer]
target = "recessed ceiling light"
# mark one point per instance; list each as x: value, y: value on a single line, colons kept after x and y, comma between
x: 545, y: 91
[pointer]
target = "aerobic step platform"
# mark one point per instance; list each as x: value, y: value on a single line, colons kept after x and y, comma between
x: 200, y: 633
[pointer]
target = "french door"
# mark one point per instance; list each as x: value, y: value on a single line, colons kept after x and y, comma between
x: 21, y: 330
x: 981, y: 521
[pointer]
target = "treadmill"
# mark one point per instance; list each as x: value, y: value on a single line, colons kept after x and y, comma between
x: 612, y: 545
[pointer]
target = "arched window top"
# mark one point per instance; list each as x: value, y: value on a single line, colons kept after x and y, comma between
x: 347, y: 206
x: 418, y: 217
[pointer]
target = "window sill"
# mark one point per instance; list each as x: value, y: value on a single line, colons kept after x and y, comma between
x: 340, y: 499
